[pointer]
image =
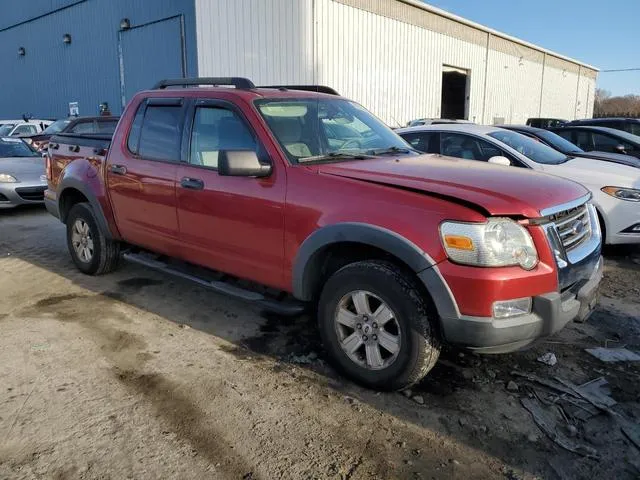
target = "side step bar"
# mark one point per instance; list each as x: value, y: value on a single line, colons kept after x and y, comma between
x: 285, y: 307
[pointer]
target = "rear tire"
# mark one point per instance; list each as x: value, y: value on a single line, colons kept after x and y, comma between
x: 377, y: 327
x: 92, y: 252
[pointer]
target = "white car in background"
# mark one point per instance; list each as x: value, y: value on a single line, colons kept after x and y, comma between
x: 615, y: 188
x: 22, y: 128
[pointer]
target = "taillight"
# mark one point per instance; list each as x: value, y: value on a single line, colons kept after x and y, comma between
x: 48, y: 166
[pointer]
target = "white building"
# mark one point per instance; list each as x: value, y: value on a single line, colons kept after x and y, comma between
x: 402, y: 59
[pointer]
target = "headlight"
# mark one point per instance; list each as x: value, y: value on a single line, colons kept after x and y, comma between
x: 628, y: 194
x: 500, y: 242
x: 6, y: 178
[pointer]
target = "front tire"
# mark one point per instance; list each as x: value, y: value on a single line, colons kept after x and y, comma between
x: 92, y: 252
x: 376, y: 326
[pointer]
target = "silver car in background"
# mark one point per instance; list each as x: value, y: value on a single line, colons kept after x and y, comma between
x: 22, y: 174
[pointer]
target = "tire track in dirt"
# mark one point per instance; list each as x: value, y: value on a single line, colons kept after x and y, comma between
x: 126, y: 352
x: 186, y: 420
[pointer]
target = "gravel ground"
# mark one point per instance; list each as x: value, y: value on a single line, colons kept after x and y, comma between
x: 138, y: 375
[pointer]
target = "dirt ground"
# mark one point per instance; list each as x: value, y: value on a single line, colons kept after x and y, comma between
x: 138, y: 375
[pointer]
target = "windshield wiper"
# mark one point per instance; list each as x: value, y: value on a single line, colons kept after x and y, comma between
x: 334, y: 156
x: 391, y: 150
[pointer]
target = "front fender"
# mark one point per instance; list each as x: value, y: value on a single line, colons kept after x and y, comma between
x: 306, y: 264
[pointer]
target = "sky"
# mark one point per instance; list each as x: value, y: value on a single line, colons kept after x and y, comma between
x: 604, y: 34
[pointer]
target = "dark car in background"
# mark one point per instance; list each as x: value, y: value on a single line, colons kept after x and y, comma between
x: 600, y: 139
x: 76, y: 125
x: 629, y: 125
x: 569, y: 149
x: 545, y: 122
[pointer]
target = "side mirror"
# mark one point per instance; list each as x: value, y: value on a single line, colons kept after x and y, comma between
x: 500, y: 160
x: 621, y: 149
x: 241, y: 163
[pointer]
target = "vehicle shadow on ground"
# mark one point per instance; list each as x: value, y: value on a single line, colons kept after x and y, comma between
x: 464, y: 397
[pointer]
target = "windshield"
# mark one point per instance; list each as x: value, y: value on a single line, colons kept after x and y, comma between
x: 559, y: 143
x: 56, y: 127
x: 529, y: 147
x: 14, y: 147
x: 314, y: 129
x: 6, y: 128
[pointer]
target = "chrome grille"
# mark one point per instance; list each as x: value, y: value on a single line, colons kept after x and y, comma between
x: 573, y: 226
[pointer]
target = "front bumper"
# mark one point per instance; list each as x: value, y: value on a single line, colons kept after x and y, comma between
x: 573, y: 295
x: 619, y: 216
x: 21, y: 193
x: 550, y: 313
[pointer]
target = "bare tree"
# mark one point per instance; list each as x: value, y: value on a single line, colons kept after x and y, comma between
x: 607, y: 106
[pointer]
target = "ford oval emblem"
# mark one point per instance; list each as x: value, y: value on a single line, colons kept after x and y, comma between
x: 577, y: 227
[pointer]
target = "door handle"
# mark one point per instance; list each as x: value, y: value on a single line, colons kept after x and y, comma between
x: 192, y: 183
x: 118, y: 169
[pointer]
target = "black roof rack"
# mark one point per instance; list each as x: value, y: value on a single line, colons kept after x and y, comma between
x: 238, y: 82
x: 306, y: 88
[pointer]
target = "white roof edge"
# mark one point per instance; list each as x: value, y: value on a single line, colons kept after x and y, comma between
x: 456, y: 18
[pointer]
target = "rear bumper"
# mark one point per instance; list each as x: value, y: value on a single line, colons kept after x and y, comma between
x: 51, y: 204
x: 550, y: 313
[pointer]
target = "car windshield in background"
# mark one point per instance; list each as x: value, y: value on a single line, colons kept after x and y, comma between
x: 14, y: 147
x: 6, y: 128
x: 559, y: 143
x: 328, y: 129
x: 56, y: 127
x: 529, y: 147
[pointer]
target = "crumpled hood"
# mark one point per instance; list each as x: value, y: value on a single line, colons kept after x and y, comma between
x: 498, y: 190
x: 23, y: 168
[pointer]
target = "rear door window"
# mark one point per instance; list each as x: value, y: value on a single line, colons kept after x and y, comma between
x: 424, y: 141
x: 468, y: 147
x: 605, y: 143
x: 161, y: 132
x: 567, y: 135
x: 584, y: 140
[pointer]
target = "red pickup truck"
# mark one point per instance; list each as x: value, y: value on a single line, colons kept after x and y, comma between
x: 291, y: 197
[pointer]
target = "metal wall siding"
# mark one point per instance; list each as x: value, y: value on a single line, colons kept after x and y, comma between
x: 267, y: 41
x: 391, y: 67
x: 559, y: 93
x: 513, y: 90
x: 394, y: 67
x: 412, y: 15
x: 517, y: 50
x: 20, y: 11
x: 52, y: 74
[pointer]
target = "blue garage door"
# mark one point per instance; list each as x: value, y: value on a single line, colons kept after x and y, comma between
x: 149, y: 53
